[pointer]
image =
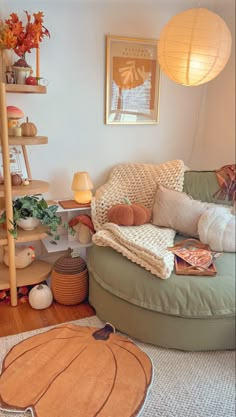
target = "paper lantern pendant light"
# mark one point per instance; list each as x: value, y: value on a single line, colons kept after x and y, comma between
x: 194, y: 47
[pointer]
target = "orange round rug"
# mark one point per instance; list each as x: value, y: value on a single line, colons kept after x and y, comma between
x: 76, y: 371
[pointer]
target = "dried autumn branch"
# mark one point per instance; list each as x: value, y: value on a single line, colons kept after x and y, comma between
x: 22, y: 38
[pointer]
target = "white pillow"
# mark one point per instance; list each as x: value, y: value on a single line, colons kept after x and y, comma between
x: 177, y: 210
x: 216, y: 227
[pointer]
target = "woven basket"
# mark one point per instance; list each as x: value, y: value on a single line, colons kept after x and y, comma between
x: 69, y: 280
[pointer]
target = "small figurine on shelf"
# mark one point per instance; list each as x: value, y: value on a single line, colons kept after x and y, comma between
x: 83, y: 225
x: 31, y: 80
x: 10, y: 75
x: 24, y: 256
x: 16, y: 179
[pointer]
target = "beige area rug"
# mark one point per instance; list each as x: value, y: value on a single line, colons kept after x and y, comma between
x: 185, y: 384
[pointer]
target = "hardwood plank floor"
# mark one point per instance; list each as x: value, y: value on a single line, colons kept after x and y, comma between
x: 23, y: 317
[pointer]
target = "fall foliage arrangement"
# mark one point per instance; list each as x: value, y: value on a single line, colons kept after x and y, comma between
x: 20, y: 37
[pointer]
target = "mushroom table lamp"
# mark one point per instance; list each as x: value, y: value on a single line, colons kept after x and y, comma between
x: 82, y: 186
x: 14, y: 114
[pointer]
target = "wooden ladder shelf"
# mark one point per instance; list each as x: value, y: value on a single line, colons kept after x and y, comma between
x: 7, y: 192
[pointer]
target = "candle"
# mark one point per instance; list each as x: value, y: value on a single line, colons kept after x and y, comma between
x: 17, y: 131
x: 38, y: 58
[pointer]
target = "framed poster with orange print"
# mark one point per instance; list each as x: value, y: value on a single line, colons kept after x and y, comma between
x: 132, y: 81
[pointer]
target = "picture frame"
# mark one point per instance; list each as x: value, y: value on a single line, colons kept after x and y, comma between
x: 132, y: 81
x: 18, y: 161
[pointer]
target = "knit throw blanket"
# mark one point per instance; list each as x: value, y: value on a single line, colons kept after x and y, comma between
x: 145, y: 245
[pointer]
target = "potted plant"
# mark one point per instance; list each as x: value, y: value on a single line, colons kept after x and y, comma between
x: 29, y: 211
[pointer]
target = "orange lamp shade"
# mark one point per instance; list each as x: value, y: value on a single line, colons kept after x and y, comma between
x: 82, y: 186
x: 194, y: 47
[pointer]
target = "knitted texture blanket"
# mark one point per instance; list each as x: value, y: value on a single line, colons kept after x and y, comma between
x: 145, y: 245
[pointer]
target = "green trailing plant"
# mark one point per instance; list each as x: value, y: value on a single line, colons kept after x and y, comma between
x: 35, y: 206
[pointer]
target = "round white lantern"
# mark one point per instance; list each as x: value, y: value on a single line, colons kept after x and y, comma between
x: 194, y: 47
x: 40, y: 297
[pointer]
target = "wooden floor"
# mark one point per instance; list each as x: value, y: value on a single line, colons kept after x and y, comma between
x: 24, y: 318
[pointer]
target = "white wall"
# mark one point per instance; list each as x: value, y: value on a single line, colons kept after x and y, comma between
x: 216, y: 145
x: 72, y: 113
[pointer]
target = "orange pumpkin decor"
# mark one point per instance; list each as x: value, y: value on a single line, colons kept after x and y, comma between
x: 76, y: 371
x: 129, y: 214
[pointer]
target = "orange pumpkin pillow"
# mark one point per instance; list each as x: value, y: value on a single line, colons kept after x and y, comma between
x: 128, y: 214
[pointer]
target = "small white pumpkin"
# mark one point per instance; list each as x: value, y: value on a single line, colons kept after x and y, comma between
x: 40, y: 297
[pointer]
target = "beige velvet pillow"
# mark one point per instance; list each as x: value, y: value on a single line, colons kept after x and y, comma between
x: 177, y: 211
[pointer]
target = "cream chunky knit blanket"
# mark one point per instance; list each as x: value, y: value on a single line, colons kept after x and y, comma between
x: 145, y: 245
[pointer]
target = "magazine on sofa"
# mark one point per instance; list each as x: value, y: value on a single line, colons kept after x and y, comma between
x: 193, y: 257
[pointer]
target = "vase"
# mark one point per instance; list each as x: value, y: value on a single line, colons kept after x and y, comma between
x: 5, y: 61
x: 28, y: 224
x: 22, y: 70
x: 21, y: 74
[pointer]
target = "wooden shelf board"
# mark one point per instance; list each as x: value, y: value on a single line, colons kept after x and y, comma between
x: 25, y: 236
x: 34, y: 187
x: 35, y: 273
x: 62, y: 244
x: 29, y: 140
x: 25, y: 89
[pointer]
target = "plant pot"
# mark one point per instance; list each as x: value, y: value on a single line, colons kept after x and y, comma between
x: 28, y: 224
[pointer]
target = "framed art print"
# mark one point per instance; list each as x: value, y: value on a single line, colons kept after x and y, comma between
x: 132, y: 81
x: 18, y: 164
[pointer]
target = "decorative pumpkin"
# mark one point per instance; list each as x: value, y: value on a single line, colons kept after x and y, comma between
x: 40, y: 297
x: 129, y: 214
x: 96, y: 371
x: 16, y: 179
x: 24, y: 256
x: 28, y: 128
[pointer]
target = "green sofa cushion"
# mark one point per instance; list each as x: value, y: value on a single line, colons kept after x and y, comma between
x: 202, y: 185
x: 184, y: 296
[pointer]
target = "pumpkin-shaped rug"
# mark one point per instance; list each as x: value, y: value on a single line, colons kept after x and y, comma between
x: 76, y: 371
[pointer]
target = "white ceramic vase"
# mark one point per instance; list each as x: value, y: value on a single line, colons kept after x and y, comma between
x: 21, y: 74
x: 28, y: 224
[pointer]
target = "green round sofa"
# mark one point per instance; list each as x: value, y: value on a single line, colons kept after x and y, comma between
x: 182, y: 312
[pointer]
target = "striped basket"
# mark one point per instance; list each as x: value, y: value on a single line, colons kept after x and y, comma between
x: 69, y: 280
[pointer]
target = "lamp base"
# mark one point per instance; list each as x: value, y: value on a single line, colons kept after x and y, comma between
x: 83, y: 197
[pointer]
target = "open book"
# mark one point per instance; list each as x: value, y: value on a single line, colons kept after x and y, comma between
x: 194, y: 258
